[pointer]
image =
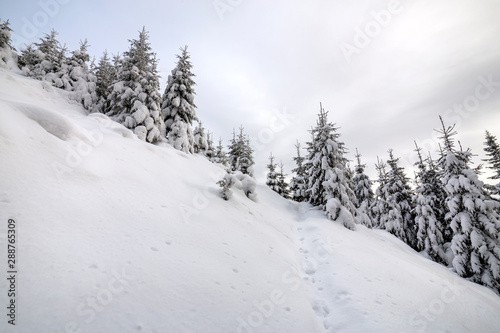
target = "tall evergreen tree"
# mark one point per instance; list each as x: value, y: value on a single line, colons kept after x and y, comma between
x: 472, y: 215
x: 363, y: 192
x: 284, y: 189
x: 6, y: 48
x: 298, y: 184
x: 328, y: 184
x: 178, y: 108
x: 400, y: 221
x: 272, y: 175
x: 105, y: 75
x: 82, y: 80
x: 430, y: 210
x: 492, y: 150
x: 135, y: 100
x: 380, y: 207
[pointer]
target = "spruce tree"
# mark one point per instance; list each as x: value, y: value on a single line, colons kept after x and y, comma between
x: 210, y: 152
x: 298, y: 184
x: 82, y: 81
x: 135, y: 100
x: 492, y: 150
x: 105, y: 75
x: 400, y: 221
x: 220, y: 154
x: 380, y: 207
x: 6, y: 48
x: 200, y: 139
x: 43, y: 60
x: 363, y: 191
x: 284, y: 189
x: 328, y: 184
x: 240, y: 154
x: 178, y: 108
x: 473, y: 216
x: 430, y: 210
x: 272, y: 175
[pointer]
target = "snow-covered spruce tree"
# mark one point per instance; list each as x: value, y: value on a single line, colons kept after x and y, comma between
x: 210, y: 152
x: 7, y: 51
x: 43, y: 60
x: 105, y: 75
x: 492, y: 150
x: 380, y: 207
x: 472, y: 216
x: 82, y: 81
x: 328, y: 184
x: 200, y: 139
x: 220, y: 155
x: 135, y: 100
x: 430, y: 210
x: 284, y: 189
x: 178, y: 108
x: 298, y: 184
x: 400, y: 221
x: 363, y: 191
x: 272, y: 175
x: 240, y: 154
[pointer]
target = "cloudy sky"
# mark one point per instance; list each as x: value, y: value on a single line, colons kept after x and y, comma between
x: 383, y: 69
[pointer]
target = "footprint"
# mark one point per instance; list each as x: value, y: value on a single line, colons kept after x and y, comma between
x: 154, y: 249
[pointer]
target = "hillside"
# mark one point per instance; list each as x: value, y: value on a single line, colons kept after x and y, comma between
x: 118, y: 235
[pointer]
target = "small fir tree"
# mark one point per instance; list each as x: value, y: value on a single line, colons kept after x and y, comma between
x: 363, y: 192
x: 298, y: 185
x: 283, y: 186
x: 272, y: 175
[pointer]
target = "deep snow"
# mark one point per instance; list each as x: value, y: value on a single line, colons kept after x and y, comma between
x: 117, y: 235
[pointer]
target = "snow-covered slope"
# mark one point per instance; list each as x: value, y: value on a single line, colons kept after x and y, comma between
x: 117, y: 235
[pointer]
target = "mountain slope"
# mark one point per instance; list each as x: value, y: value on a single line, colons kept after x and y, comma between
x: 117, y: 235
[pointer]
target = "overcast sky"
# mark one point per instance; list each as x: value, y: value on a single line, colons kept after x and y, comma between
x: 383, y: 69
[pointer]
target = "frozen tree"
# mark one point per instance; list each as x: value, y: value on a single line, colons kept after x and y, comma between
x: 43, y: 60
x: 380, y: 207
x: 178, y: 108
x: 82, y: 81
x: 210, y: 152
x: 328, y: 184
x: 135, y: 100
x: 472, y: 216
x: 492, y: 150
x: 105, y: 74
x: 363, y: 191
x: 200, y: 139
x: 400, y: 220
x: 241, y: 154
x: 272, y: 175
x: 283, y: 186
x: 430, y: 210
x: 298, y: 184
x: 220, y: 155
x: 6, y: 49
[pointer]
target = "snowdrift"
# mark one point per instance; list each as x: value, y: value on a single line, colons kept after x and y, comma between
x: 117, y: 235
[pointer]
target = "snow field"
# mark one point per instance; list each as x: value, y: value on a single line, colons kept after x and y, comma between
x: 118, y: 235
